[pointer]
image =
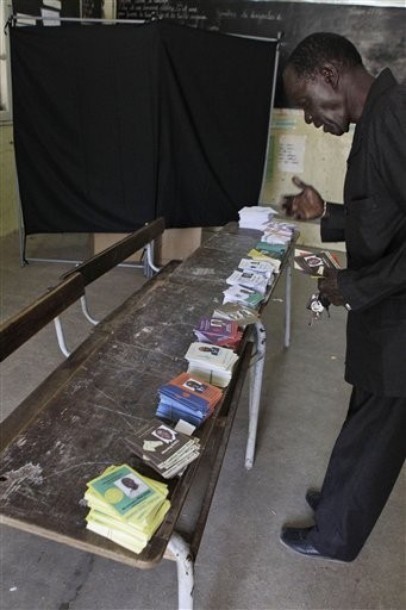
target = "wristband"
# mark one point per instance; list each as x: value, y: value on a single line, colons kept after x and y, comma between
x: 324, y: 209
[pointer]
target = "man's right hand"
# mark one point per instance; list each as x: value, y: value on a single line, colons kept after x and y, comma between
x: 306, y: 205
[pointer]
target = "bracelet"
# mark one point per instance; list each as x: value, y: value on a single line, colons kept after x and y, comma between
x: 324, y: 209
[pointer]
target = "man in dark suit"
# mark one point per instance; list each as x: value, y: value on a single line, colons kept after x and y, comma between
x: 326, y: 78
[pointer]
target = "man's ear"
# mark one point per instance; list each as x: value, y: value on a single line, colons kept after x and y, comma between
x: 330, y: 74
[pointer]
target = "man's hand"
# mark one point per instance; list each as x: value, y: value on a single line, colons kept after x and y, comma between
x: 328, y: 287
x: 306, y: 205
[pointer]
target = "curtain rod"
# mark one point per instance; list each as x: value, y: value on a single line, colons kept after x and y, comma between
x: 22, y: 16
x: 278, y: 38
x: 17, y: 16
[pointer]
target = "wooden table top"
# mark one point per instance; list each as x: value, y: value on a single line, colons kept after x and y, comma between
x: 80, y: 420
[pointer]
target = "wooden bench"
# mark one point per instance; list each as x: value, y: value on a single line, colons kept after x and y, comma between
x: 81, y: 418
x: 15, y: 331
x: 48, y: 307
x: 107, y: 259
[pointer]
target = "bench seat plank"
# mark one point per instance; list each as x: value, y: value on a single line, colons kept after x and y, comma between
x: 15, y: 331
x: 104, y: 261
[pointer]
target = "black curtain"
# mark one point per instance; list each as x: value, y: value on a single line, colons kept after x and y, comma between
x: 116, y: 125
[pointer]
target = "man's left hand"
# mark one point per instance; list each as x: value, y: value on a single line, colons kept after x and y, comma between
x: 328, y: 287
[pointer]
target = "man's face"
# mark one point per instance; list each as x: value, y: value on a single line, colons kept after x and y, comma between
x: 320, y: 98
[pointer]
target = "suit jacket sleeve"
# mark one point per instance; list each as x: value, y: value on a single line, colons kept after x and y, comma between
x: 332, y: 224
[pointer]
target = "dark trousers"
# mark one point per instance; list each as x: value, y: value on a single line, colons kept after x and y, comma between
x: 363, y: 468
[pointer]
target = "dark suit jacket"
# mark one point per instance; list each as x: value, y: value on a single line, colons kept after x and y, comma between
x: 373, y: 224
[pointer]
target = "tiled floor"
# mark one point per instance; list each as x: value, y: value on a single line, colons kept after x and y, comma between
x: 241, y: 564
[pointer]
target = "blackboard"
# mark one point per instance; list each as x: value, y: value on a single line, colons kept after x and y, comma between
x: 379, y: 33
x: 63, y: 8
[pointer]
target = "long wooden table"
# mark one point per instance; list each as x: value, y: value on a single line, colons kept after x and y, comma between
x: 81, y: 418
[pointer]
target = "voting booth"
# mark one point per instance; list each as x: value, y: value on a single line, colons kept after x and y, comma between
x: 116, y: 125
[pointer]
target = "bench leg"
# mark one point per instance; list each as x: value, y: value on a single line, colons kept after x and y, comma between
x: 60, y: 336
x: 150, y: 267
x: 181, y: 553
x: 256, y: 374
x: 288, y: 303
x: 85, y: 310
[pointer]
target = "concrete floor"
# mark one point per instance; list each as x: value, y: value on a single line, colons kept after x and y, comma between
x: 241, y: 564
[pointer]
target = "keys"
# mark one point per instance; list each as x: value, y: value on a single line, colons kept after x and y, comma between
x: 317, y: 304
x: 325, y: 302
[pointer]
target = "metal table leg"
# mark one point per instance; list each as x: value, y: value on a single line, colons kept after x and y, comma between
x: 257, y: 369
x: 256, y: 374
x: 288, y: 303
x: 180, y: 551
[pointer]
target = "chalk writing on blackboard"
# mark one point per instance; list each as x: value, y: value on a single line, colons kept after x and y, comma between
x: 161, y: 9
x: 268, y: 15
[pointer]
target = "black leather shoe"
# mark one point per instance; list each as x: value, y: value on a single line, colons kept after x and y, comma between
x: 313, y: 498
x: 296, y: 538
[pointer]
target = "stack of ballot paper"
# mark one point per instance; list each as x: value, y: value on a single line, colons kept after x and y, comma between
x: 189, y: 398
x: 249, y: 279
x: 271, y: 253
x: 278, y: 233
x: 164, y: 449
x: 264, y: 267
x: 240, y: 313
x: 125, y: 506
x: 211, y: 363
x: 255, y: 217
x: 217, y: 331
x: 243, y: 295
